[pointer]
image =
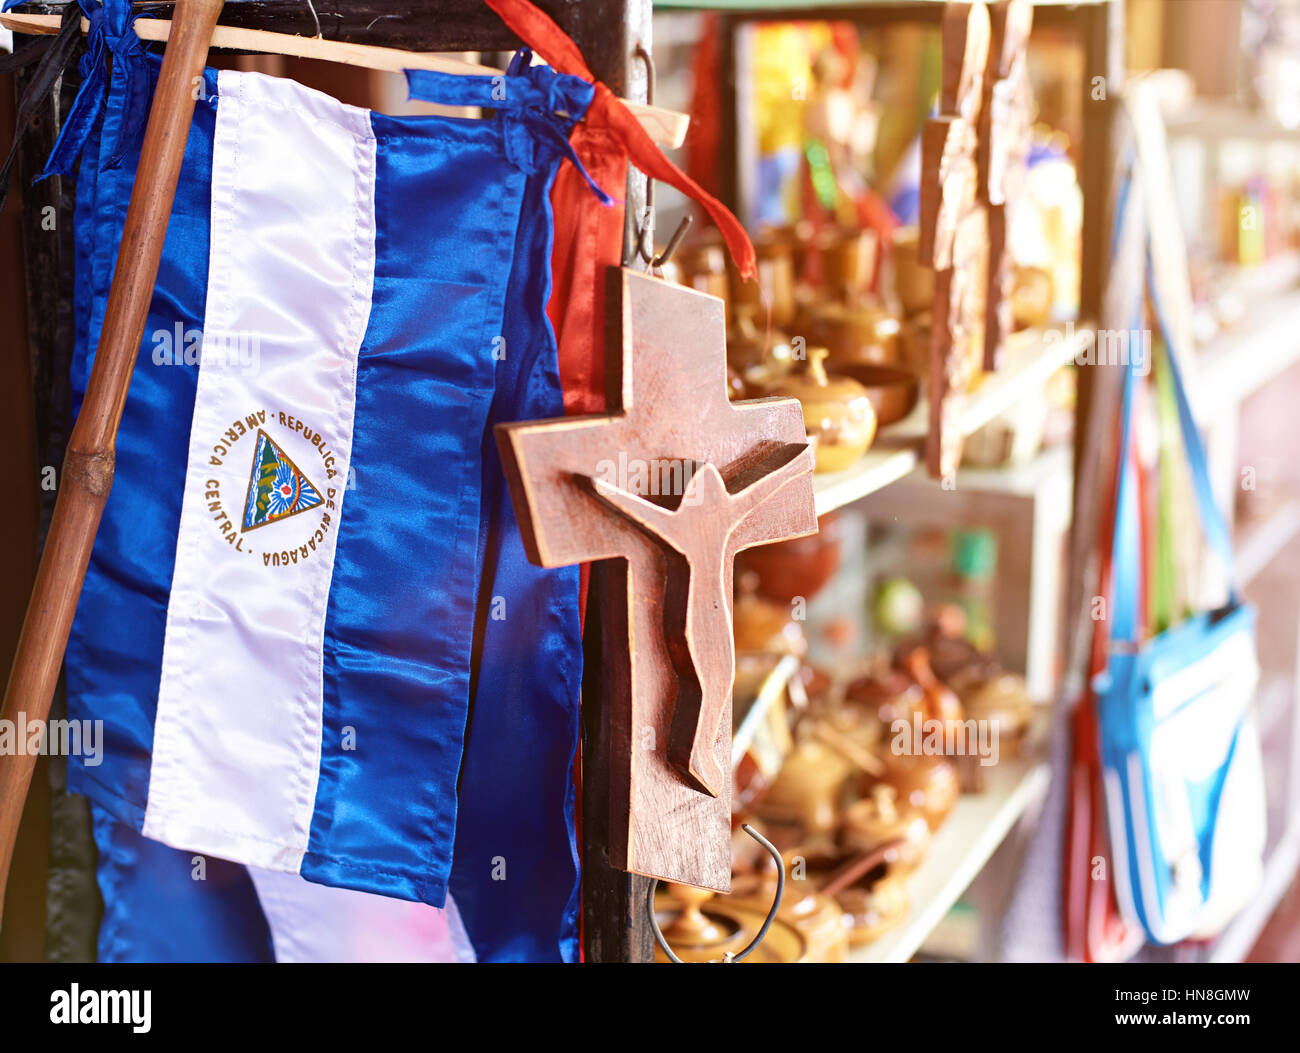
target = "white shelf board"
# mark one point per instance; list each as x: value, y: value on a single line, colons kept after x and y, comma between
x: 1259, y: 543
x: 1212, y: 120
x: 1241, y: 360
x: 1050, y: 467
x: 876, y: 469
x: 972, y: 832
x: 1027, y: 369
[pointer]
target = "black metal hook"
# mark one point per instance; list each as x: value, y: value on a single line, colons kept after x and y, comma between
x: 645, y: 229
x: 749, y: 948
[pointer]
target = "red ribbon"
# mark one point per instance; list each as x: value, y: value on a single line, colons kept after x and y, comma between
x: 536, y: 29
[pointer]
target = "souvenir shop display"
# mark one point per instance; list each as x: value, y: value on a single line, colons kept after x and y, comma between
x: 643, y: 481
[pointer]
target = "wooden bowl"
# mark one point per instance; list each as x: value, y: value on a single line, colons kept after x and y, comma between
x: 893, y: 392
x: 799, y: 567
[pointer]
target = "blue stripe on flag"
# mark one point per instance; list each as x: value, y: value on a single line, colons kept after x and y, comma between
x: 515, y: 873
x: 115, y: 648
x: 400, y: 619
x: 164, y: 905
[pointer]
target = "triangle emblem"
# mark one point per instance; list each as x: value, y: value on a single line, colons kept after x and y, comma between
x: 277, y: 488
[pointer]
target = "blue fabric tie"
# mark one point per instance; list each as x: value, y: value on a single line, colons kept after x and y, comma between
x: 538, y: 105
x: 112, y: 31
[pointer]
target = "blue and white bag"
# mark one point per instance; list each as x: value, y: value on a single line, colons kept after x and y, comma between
x: 1179, y: 742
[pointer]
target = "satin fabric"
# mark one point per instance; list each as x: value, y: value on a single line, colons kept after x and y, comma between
x: 291, y: 268
x: 429, y: 367
x: 153, y: 908
x: 161, y: 905
x: 109, y: 32
x: 317, y: 923
x: 365, y: 807
x: 516, y: 875
x: 540, y: 32
x: 115, y: 648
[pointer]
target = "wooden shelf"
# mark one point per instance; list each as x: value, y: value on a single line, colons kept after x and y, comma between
x: 899, y: 449
x: 963, y: 844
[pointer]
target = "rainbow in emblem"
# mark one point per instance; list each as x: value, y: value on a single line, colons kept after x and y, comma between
x: 277, y: 488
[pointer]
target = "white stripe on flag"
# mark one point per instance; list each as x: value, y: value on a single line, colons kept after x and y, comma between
x: 238, y: 734
x: 317, y: 923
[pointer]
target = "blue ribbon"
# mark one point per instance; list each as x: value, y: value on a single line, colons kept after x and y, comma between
x: 538, y: 104
x: 112, y: 31
x: 563, y: 94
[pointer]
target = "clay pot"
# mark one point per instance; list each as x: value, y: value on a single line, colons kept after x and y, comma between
x: 889, y: 695
x: 760, y: 626
x: 704, y: 267
x: 817, y: 918
x: 848, y: 261
x: 856, y: 336
x: 700, y: 927
x: 873, y: 907
x: 893, y: 391
x: 774, y: 253
x: 928, y: 784
x: 799, y: 567
x: 1001, y: 700
x: 749, y: 346
x: 807, y: 791
x: 913, y: 280
x: 941, y: 701
x: 877, y: 820
x: 837, y: 413
x: 954, y: 659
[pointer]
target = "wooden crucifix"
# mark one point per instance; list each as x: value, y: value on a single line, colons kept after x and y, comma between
x: 675, y: 480
x: 1005, y: 120
x: 954, y: 230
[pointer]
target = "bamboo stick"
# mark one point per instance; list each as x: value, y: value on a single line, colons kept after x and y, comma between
x: 88, y: 465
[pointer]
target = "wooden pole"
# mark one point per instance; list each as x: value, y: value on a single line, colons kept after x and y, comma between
x: 88, y: 465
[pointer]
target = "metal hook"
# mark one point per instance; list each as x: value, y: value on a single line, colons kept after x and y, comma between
x: 740, y: 956
x: 663, y: 257
x: 645, y: 230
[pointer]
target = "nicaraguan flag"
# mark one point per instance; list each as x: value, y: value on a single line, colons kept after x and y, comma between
x: 305, y: 529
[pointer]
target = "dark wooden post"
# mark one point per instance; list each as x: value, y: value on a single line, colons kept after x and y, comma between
x: 615, y: 928
x: 1102, y: 32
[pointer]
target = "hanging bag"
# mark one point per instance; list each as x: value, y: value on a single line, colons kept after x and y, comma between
x: 1096, y: 930
x: 1179, y: 742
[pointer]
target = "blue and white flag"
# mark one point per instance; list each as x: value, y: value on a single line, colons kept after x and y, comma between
x: 287, y: 591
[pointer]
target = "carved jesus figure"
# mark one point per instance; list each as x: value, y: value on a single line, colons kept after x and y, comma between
x: 699, y: 537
